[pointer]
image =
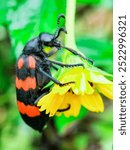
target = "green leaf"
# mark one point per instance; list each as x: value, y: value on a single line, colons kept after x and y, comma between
x: 3, y: 11
x: 81, y: 140
x: 99, y: 50
x: 88, y: 1
x: 102, y: 128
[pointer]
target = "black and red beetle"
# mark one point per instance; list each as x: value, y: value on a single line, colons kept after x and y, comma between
x: 33, y: 73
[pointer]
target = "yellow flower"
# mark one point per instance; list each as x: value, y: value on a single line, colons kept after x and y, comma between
x: 85, y: 91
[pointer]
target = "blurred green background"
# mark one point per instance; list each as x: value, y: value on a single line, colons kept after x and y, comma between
x: 21, y: 20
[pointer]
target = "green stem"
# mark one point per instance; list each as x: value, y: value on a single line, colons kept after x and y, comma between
x: 67, y: 56
x: 70, y: 23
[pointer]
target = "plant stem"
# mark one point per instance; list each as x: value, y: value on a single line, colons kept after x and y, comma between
x: 70, y: 23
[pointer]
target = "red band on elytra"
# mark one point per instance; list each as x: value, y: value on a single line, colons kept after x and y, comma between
x: 29, y: 110
x: 20, y: 63
x: 28, y: 83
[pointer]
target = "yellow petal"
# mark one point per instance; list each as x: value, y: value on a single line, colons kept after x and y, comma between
x: 92, y: 102
x: 89, y: 89
x: 73, y: 101
x: 50, y: 103
x: 81, y: 85
x: 72, y: 71
x: 61, y: 89
x: 55, y: 103
x: 96, y: 77
x: 45, y: 101
x: 68, y: 78
x: 58, y: 114
x: 106, y: 89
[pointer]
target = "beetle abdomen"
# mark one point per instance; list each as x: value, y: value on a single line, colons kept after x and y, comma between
x: 28, y: 92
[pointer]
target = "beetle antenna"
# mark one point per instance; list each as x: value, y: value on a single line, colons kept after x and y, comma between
x: 59, y: 29
x: 59, y: 18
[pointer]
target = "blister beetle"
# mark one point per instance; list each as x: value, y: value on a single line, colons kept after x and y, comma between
x: 33, y: 73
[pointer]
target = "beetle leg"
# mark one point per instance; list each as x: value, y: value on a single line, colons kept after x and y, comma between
x: 54, y: 67
x: 53, y: 79
x: 65, y: 65
x: 76, y: 53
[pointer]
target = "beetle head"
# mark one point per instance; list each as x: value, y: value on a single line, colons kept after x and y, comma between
x: 51, y: 40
